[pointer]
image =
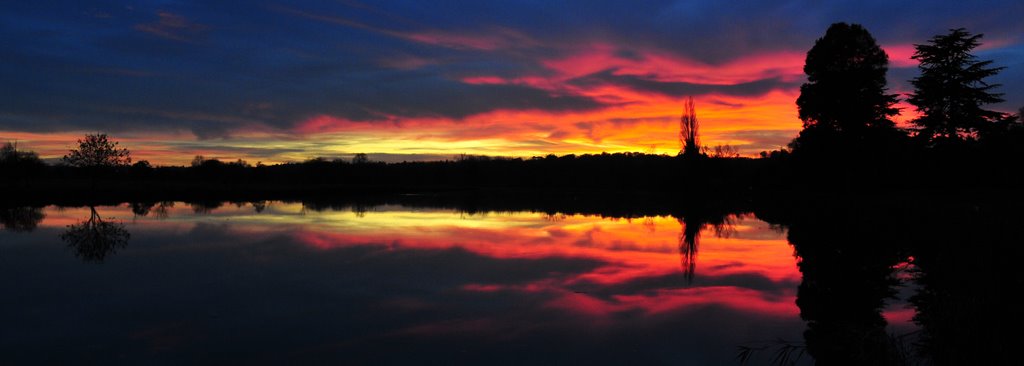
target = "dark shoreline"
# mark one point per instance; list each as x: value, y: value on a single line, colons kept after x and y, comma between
x: 777, y: 204
x: 619, y: 183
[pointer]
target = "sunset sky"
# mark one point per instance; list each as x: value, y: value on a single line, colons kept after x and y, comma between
x: 425, y: 80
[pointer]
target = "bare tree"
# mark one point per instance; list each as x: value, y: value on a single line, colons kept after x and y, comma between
x: 725, y: 151
x: 688, y: 130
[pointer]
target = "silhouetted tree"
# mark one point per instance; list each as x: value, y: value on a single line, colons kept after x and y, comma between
x: 689, y: 136
x: 360, y: 158
x: 844, y: 102
x: 774, y: 154
x: 725, y: 151
x: 19, y: 219
x: 95, y: 238
x: 951, y: 89
x: 97, y: 151
x: 208, y: 164
x: 9, y: 154
x: 14, y: 163
x: 142, y: 169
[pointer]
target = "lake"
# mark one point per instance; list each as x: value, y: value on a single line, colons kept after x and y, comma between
x: 286, y: 282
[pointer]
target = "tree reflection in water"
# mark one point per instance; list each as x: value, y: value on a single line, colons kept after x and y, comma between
x: 157, y: 210
x: 689, y: 238
x: 968, y: 267
x: 21, y: 219
x: 965, y: 259
x: 848, y: 276
x: 94, y: 239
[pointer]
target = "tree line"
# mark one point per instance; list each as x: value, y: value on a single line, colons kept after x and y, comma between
x: 846, y: 108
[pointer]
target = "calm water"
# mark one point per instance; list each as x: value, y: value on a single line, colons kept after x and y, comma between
x: 277, y: 282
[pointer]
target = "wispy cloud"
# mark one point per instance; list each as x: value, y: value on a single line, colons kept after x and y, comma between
x: 173, y: 27
x: 490, y: 39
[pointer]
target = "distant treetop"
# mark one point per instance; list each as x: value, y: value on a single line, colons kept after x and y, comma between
x: 96, y: 150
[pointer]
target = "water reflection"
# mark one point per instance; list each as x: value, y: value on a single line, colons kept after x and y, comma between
x: 205, y: 207
x: 259, y: 206
x: 21, y: 219
x: 847, y: 280
x: 159, y: 210
x: 968, y: 269
x: 276, y: 282
x: 442, y: 285
x: 956, y: 262
x: 692, y: 225
x: 95, y: 238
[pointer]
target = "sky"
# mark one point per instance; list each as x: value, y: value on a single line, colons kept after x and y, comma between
x: 273, y: 82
